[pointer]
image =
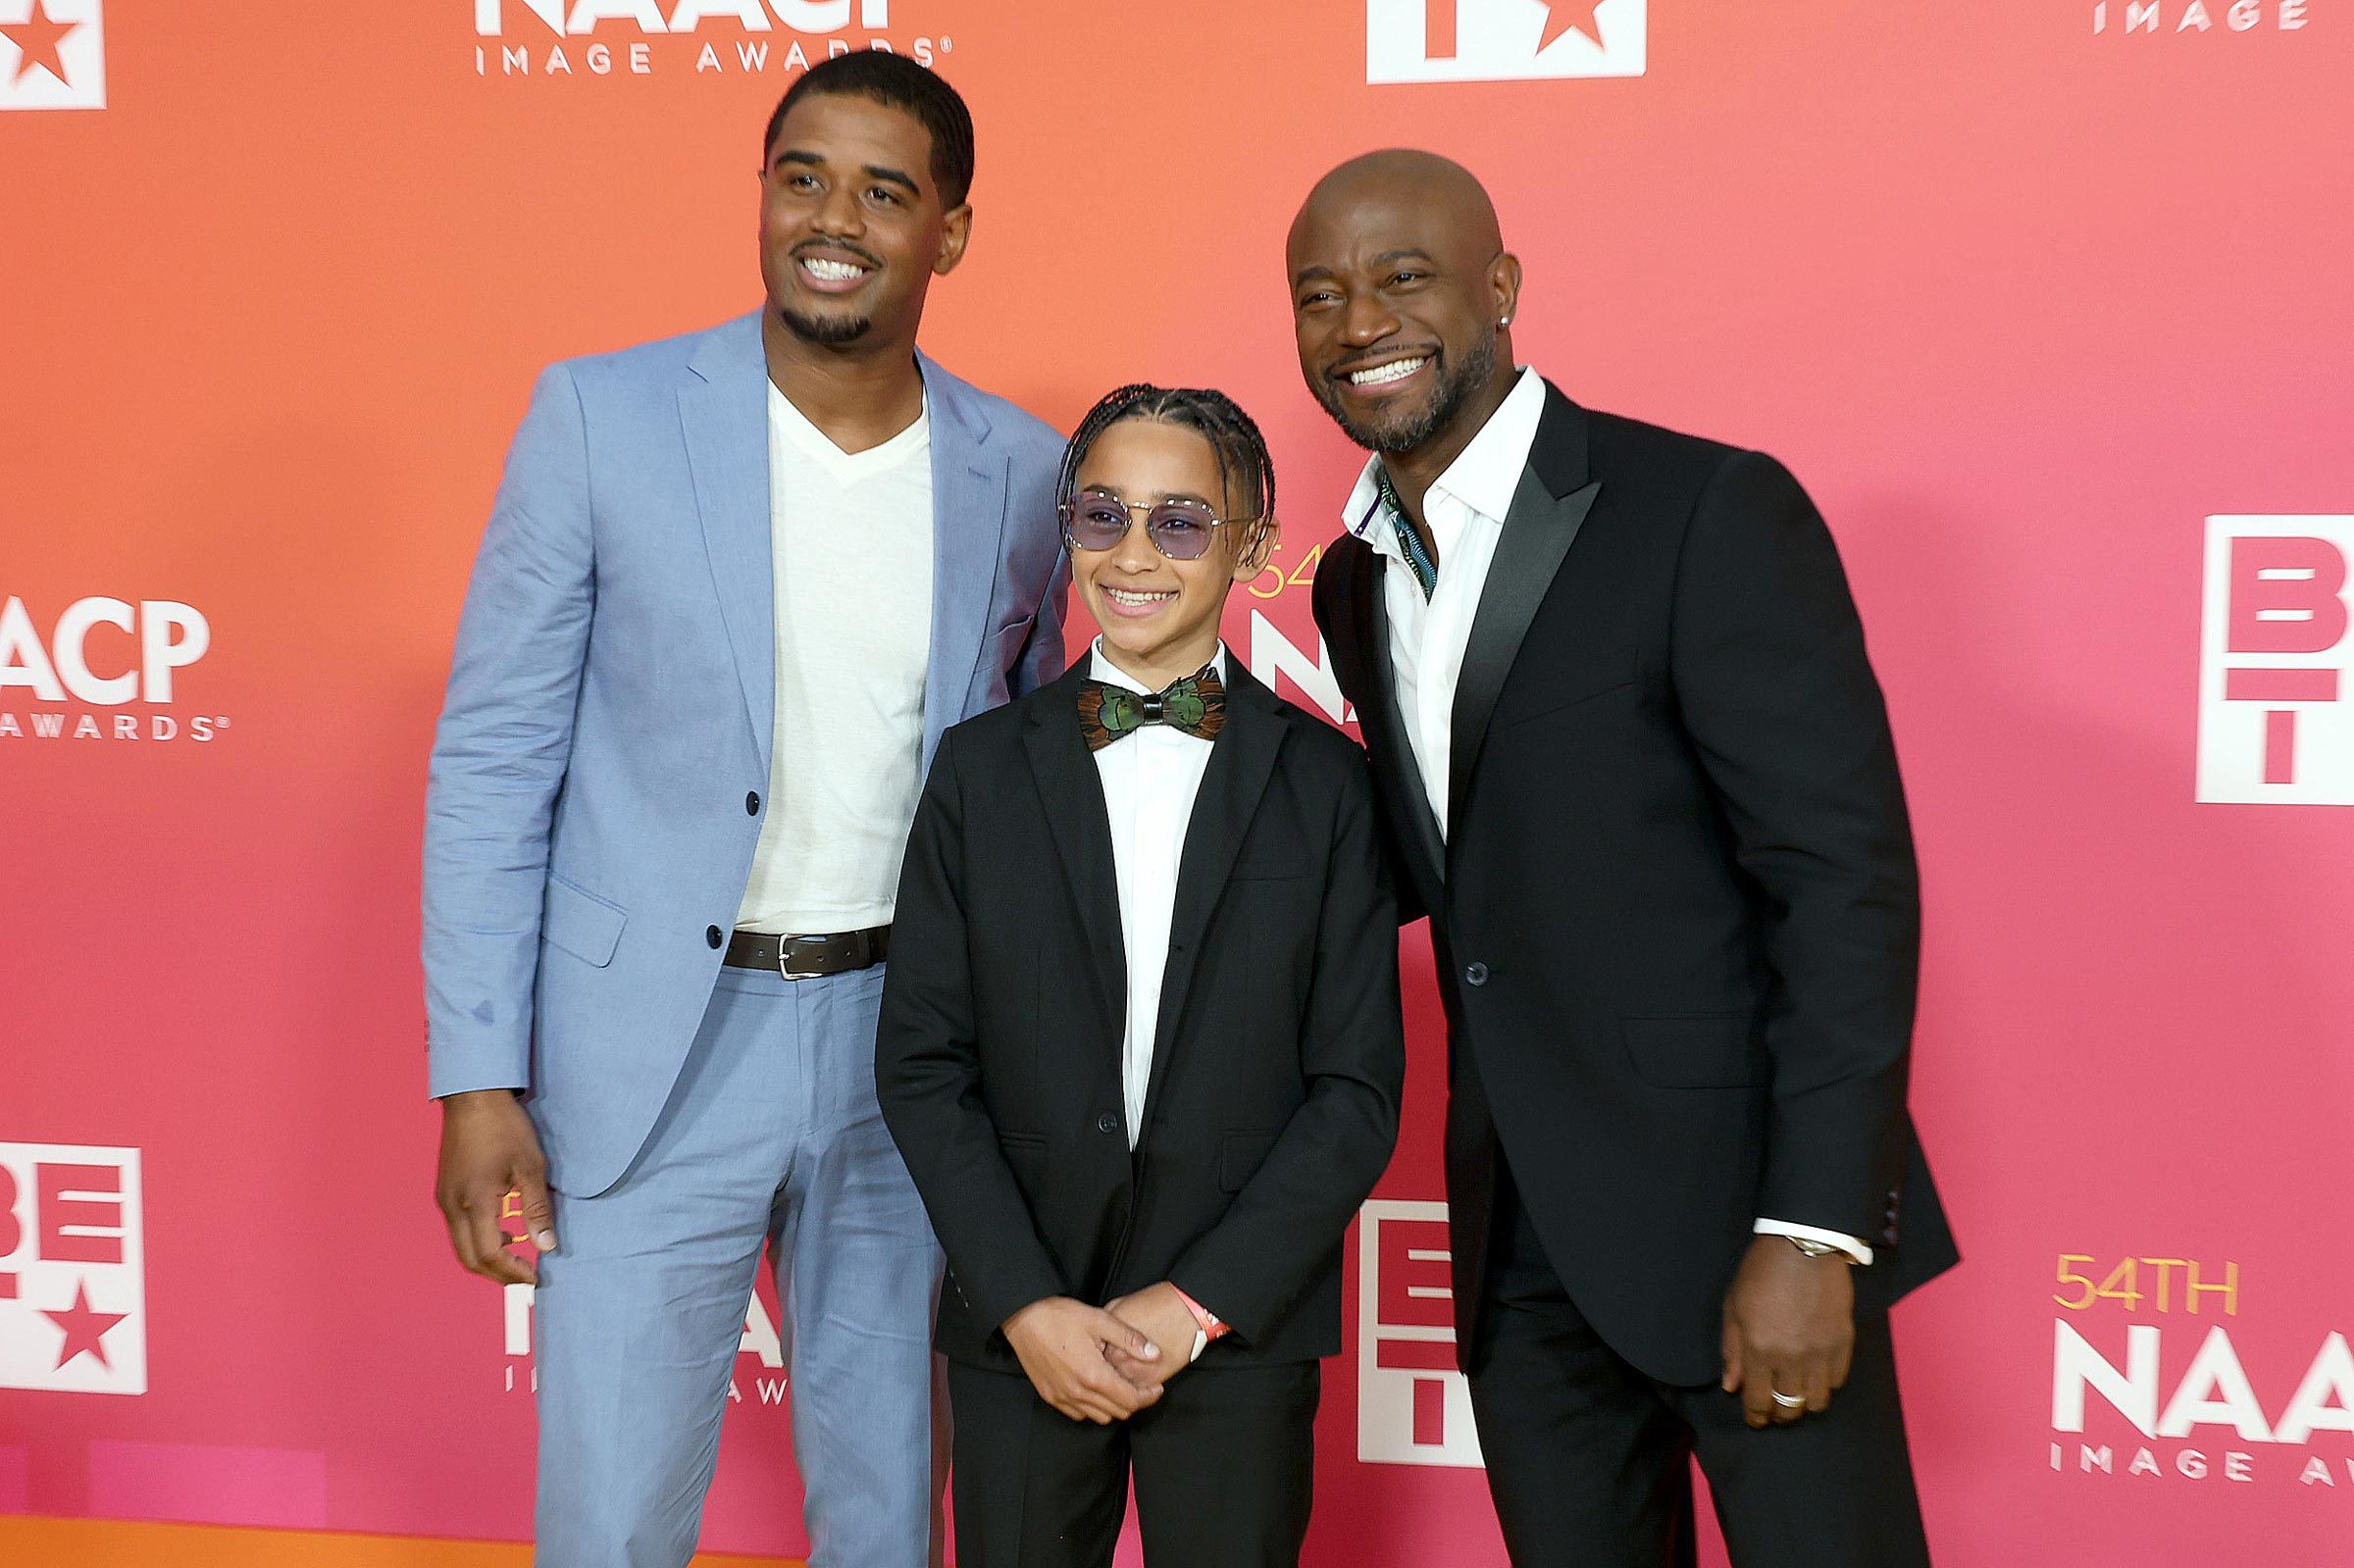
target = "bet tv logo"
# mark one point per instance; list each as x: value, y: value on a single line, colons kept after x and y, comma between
x: 52, y: 54
x: 1503, y: 40
x: 1412, y: 1406
x: 72, y: 1272
x: 2275, y: 717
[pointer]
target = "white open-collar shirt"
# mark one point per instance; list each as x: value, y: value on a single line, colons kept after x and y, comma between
x: 1463, y: 514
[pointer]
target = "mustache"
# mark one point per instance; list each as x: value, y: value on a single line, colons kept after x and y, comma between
x: 814, y: 247
x: 1342, y: 369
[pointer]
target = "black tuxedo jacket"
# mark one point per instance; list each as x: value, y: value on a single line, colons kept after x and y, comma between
x: 1276, y: 1073
x: 1676, y: 915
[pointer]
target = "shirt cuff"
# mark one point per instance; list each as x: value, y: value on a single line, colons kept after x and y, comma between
x: 1814, y: 1233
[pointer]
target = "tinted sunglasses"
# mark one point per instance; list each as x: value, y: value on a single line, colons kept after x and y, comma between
x: 1098, y: 520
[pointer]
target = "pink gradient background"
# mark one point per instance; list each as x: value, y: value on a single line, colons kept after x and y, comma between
x: 2020, y: 303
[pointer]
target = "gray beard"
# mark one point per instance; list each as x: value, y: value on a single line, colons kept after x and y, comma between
x: 1405, y: 431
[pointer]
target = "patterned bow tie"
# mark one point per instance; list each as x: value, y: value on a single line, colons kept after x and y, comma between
x: 1196, y: 705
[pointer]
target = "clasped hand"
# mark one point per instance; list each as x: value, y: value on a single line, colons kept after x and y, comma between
x: 1103, y: 1364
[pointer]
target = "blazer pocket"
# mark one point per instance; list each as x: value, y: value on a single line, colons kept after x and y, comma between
x: 1708, y: 1050
x: 1240, y: 1155
x: 1615, y: 677
x: 581, y: 922
x: 1268, y: 870
x: 1026, y: 1152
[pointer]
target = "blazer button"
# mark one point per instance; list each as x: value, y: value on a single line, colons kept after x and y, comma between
x: 1107, y: 1123
x: 711, y: 934
x: 1475, y: 974
x: 752, y: 804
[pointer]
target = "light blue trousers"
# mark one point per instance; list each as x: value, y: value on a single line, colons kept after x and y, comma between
x: 770, y: 1137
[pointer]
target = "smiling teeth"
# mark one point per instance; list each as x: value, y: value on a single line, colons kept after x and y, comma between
x: 1396, y: 370
x: 831, y: 272
x: 1126, y: 596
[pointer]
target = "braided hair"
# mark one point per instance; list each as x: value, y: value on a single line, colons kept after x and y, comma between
x: 1245, y: 468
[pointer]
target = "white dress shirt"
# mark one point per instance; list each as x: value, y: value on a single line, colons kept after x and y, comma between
x: 1149, y: 780
x: 1462, y: 515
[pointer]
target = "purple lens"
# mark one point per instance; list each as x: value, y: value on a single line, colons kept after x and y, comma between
x: 1181, y: 530
x: 1097, y: 523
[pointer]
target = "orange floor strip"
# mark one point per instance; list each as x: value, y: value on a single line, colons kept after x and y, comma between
x: 109, y: 1543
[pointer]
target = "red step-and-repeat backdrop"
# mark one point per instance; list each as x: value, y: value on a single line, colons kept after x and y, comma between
x: 2047, y: 301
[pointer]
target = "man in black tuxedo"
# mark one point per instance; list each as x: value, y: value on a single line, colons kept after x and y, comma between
x: 1635, y: 767
x: 1140, y: 1042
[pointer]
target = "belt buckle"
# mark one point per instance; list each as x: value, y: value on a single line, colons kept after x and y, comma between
x: 785, y: 965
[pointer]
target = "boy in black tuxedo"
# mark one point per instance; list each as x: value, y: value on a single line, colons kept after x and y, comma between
x: 1140, y: 1042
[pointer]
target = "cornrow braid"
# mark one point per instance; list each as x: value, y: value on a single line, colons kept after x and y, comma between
x: 1246, y: 469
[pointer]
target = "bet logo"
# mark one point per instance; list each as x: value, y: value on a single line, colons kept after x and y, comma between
x: 52, y: 54
x: 2275, y: 726
x: 1412, y: 1406
x: 1503, y: 40
x: 72, y: 1269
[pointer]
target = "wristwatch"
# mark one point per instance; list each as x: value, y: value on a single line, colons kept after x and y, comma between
x: 1820, y: 1249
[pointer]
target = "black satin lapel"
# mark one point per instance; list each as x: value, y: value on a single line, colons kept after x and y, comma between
x: 1072, y: 792
x: 1392, y: 755
x: 1537, y: 534
x: 1239, y: 765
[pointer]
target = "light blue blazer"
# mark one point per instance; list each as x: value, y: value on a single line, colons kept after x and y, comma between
x: 611, y: 703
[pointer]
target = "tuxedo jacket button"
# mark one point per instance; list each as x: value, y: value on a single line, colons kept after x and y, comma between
x: 1475, y: 974
x: 1107, y: 1123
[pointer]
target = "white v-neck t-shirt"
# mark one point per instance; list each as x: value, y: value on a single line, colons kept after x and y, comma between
x: 850, y: 537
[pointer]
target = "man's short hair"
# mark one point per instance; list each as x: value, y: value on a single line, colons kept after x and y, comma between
x: 899, y: 83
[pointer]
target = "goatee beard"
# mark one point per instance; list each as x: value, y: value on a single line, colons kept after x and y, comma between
x: 826, y: 331
x: 1408, y: 428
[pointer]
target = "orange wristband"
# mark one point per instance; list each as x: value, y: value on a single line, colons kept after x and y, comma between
x: 1204, y: 1319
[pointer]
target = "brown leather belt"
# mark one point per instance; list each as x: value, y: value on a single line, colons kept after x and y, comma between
x: 810, y: 958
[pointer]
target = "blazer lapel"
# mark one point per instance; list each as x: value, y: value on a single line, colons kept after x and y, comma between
x: 969, y: 487
x: 1385, y: 733
x: 1240, y: 762
x: 1072, y: 792
x: 723, y: 411
x: 1547, y: 512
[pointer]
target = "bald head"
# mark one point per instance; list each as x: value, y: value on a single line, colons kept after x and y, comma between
x: 1401, y: 299
x: 1406, y: 176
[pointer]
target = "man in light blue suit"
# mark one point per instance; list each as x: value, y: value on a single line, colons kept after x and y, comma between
x: 733, y: 588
